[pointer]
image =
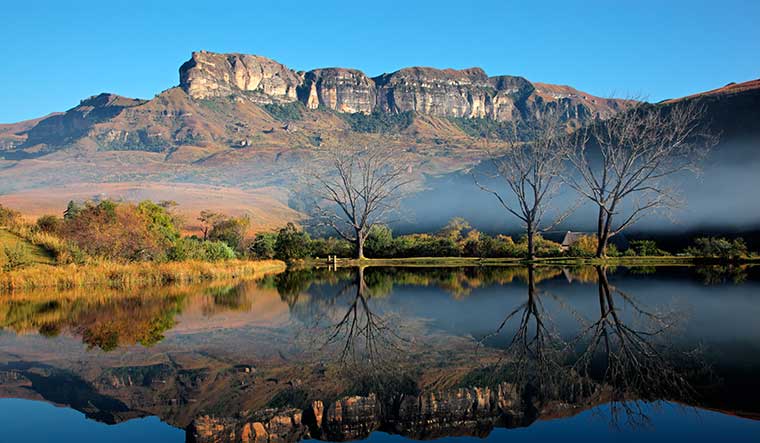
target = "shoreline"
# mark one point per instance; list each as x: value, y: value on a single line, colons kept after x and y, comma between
x: 547, y: 261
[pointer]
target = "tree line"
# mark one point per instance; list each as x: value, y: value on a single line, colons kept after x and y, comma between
x: 621, y: 166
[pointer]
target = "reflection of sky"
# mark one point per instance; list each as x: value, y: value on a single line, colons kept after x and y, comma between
x: 706, y: 314
x: 669, y: 423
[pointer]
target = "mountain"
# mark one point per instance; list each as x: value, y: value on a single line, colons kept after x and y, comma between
x: 234, y: 101
x: 238, y: 122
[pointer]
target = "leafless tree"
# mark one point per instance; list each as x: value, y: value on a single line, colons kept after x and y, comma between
x: 629, y: 157
x: 355, y: 188
x: 529, y: 175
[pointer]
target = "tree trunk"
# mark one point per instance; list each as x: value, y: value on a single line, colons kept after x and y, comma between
x: 531, y: 245
x: 603, y: 234
x: 359, y: 245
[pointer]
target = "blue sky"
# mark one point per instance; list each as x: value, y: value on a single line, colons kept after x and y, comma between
x: 54, y: 53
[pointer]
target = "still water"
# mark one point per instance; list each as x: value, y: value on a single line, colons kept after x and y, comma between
x: 391, y: 354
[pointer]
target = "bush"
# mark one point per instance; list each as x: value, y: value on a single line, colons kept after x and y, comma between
x: 379, y: 122
x: 718, y: 247
x: 647, y: 248
x: 195, y: 249
x: 49, y: 224
x: 585, y: 246
x: 9, y: 217
x: 379, y: 242
x: 285, y: 112
x: 16, y: 256
x: 322, y: 247
x: 262, y: 246
x: 121, y: 231
x: 292, y: 243
x: 231, y: 231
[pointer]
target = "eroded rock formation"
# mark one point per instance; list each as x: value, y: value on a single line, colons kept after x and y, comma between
x: 468, y: 93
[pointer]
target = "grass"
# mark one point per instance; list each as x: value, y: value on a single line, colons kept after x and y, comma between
x: 131, y: 275
x: 37, y: 254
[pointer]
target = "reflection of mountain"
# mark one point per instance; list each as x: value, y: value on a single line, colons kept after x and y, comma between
x: 226, y: 379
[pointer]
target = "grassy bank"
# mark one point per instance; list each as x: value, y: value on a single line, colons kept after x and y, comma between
x: 37, y: 254
x: 115, y: 275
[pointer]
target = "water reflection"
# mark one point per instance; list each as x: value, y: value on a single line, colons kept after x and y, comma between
x: 424, y: 353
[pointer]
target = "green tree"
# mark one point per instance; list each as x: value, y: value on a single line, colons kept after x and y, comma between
x: 379, y: 242
x: 263, y: 245
x: 291, y: 243
x: 231, y: 231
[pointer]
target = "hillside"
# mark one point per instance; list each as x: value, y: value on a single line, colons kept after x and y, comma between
x: 227, y: 136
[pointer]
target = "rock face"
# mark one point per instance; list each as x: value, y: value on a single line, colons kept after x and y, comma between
x: 468, y: 93
x: 209, y: 74
x: 342, y: 90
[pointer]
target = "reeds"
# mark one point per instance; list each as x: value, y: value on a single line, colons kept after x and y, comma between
x: 114, y: 275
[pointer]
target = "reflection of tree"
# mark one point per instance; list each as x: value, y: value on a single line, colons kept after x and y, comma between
x: 534, y: 354
x: 104, y: 320
x: 622, y: 356
x: 720, y: 274
x: 626, y: 352
x: 361, y: 334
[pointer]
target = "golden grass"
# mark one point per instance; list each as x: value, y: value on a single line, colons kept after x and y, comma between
x: 115, y: 275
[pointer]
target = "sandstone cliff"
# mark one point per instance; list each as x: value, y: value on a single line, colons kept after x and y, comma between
x: 467, y: 93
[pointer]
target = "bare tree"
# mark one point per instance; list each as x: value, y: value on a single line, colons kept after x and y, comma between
x: 530, y: 173
x: 355, y: 188
x: 628, y: 159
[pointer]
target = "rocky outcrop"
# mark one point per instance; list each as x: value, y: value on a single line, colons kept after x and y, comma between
x: 208, y: 74
x: 467, y: 93
x: 438, y: 92
x: 342, y: 90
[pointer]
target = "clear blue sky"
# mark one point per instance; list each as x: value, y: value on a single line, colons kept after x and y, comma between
x: 54, y: 53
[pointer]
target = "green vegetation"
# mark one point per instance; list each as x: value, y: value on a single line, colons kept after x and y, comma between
x: 379, y: 122
x: 486, y: 128
x: 285, y: 112
x: 718, y: 248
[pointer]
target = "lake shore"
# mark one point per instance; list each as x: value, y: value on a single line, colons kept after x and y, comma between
x: 548, y: 261
x: 131, y: 275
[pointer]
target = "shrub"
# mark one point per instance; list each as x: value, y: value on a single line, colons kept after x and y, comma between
x: 379, y: 122
x: 16, y: 256
x: 322, y: 247
x: 120, y: 231
x: 646, y: 248
x: 379, y: 242
x: 195, y: 249
x: 585, y: 246
x: 49, y: 224
x: 9, y: 217
x: 231, y: 231
x: 285, y: 112
x: 292, y: 243
x: 262, y: 246
x: 718, y: 247
x: 217, y: 251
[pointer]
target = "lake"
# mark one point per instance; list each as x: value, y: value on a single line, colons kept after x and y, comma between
x: 391, y: 354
